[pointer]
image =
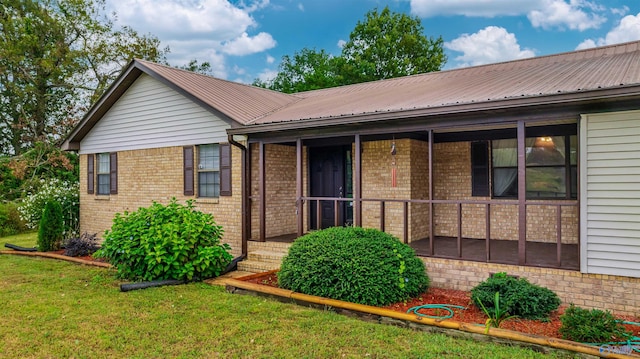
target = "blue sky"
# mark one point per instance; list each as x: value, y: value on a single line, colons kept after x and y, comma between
x: 245, y: 39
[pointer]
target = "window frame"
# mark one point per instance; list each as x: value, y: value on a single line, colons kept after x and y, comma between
x: 103, y: 176
x: 568, y: 167
x: 202, y: 171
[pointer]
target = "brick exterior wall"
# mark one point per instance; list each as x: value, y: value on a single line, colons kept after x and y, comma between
x: 617, y: 294
x: 157, y: 175
x: 280, y: 176
x: 411, y: 163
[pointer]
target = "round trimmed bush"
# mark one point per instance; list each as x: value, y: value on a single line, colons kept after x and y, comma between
x: 517, y: 296
x: 353, y: 264
x: 170, y: 241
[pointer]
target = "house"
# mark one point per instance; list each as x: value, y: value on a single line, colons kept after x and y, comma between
x: 530, y: 167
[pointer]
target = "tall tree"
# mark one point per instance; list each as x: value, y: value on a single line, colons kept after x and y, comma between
x: 56, y: 57
x: 306, y: 70
x: 385, y: 45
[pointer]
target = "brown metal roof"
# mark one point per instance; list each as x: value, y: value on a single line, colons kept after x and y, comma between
x: 532, y: 81
x: 573, y: 72
x: 242, y: 103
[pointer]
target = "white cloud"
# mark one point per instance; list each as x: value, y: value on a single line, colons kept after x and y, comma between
x: 620, y: 11
x: 206, y: 30
x: 471, y: 8
x: 627, y: 30
x: 341, y: 43
x: 489, y: 45
x: 270, y: 59
x: 559, y: 14
x: 572, y: 14
x: 267, y: 75
x: 586, y: 44
x: 246, y: 45
x: 300, y: 6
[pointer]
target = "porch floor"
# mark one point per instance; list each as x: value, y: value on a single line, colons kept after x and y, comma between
x: 538, y: 254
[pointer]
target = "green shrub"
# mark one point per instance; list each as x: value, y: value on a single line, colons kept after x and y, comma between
x: 518, y: 296
x: 51, y: 227
x: 591, y: 326
x: 353, y: 264
x: 65, y: 193
x: 84, y: 245
x: 10, y: 221
x: 165, y: 242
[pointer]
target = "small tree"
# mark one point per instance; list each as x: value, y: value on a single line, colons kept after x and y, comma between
x: 51, y: 227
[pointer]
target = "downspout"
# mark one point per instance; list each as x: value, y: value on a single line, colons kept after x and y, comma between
x: 245, y: 194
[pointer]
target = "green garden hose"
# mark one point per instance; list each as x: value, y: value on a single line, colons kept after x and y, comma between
x: 446, y: 307
x: 632, y: 344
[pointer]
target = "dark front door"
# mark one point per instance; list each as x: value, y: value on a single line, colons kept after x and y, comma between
x: 327, y: 168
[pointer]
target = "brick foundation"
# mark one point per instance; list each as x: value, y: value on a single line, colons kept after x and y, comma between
x: 615, y: 293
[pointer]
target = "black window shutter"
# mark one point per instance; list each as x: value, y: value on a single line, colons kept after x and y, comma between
x: 113, y: 171
x: 90, y: 173
x: 225, y: 169
x: 480, y: 168
x: 187, y: 157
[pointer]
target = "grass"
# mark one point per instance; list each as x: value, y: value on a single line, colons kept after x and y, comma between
x: 59, y: 309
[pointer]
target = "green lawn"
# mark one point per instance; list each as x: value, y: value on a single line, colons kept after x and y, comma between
x: 58, y: 309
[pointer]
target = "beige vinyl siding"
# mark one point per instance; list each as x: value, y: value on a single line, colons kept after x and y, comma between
x: 152, y: 115
x: 610, y: 188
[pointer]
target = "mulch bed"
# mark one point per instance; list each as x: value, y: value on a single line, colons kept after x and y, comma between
x: 471, y: 314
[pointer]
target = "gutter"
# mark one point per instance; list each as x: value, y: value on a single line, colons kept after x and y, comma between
x: 244, y: 193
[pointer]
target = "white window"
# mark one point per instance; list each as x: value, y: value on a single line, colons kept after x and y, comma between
x: 103, y: 173
x: 209, y: 170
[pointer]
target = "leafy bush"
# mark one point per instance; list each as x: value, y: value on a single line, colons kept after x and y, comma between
x: 65, y: 193
x: 51, y: 227
x: 165, y: 242
x: 353, y: 264
x: 519, y: 297
x: 591, y: 326
x: 84, y: 245
x: 10, y: 221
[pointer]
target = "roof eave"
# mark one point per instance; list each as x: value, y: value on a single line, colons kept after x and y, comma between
x: 448, y: 109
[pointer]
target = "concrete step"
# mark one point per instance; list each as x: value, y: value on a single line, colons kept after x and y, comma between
x: 254, y: 266
x: 272, y: 246
x: 263, y: 255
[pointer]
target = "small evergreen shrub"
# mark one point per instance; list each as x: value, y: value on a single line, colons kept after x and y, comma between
x: 591, y: 326
x: 84, y: 245
x: 518, y: 297
x: 353, y: 264
x: 10, y: 221
x: 51, y: 227
x: 65, y: 193
x: 171, y: 241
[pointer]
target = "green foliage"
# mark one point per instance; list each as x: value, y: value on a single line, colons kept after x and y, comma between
x: 84, y: 245
x: 520, y: 297
x: 65, y: 193
x: 56, y: 58
x: 497, y: 315
x: 51, y: 227
x: 591, y: 326
x: 165, y: 242
x: 10, y: 221
x: 27, y: 172
x: 385, y: 45
x: 353, y: 264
